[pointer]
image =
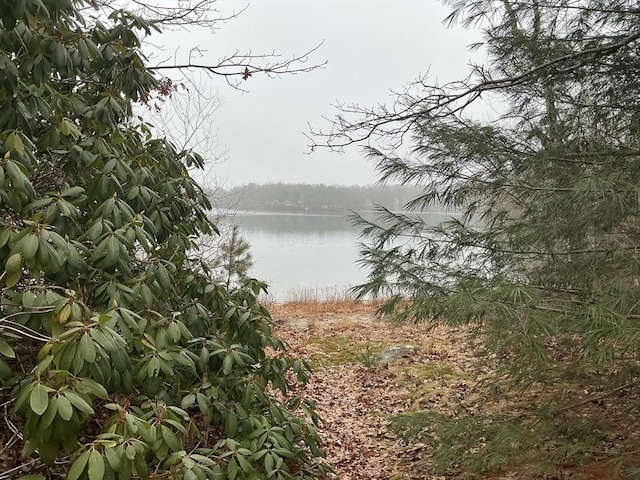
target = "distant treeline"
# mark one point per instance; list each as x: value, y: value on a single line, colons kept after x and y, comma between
x: 299, y: 197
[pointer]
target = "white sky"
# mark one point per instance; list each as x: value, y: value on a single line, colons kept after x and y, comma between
x: 371, y: 47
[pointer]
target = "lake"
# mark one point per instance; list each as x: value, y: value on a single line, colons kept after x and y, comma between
x: 303, y: 255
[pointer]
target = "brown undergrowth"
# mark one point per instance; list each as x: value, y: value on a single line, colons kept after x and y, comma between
x: 356, y: 400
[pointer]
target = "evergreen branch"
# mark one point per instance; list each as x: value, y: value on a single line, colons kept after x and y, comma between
x: 599, y: 397
x: 540, y: 260
x: 584, y: 8
x: 416, y: 110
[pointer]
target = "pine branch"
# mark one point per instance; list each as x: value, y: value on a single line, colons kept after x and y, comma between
x: 441, y: 99
x: 599, y: 397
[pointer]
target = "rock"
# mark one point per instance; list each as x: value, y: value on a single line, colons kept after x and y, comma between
x: 298, y: 324
x: 395, y: 352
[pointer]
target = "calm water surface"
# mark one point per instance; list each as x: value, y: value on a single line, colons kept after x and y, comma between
x: 300, y: 254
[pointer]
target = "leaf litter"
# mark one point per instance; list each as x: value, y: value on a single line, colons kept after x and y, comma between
x: 356, y: 398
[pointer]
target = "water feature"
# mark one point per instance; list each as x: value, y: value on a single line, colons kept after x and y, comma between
x: 303, y: 255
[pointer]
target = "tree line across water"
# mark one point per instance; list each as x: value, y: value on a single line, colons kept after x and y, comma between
x: 318, y: 198
x: 125, y: 356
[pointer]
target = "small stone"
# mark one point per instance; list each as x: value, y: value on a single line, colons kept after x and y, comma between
x: 395, y: 352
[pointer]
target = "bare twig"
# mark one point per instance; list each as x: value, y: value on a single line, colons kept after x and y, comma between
x: 599, y: 397
x: 238, y: 67
x: 448, y: 100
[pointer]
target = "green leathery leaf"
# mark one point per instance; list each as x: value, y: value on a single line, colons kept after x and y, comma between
x: 6, y: 350
x: 141, y: 467
x: 13, y: 278
x: 95, y: 231
x: 163, y: 277
x: 109, y: 165
x: 47, y: 419
x: 14, y: 142
x: 245, y: 466
x: 66, y: 354
x: 113, y: 251
x: 29, y: 299
x: 39, y: 399
x: 203, y: 403
x: 64, y: 407
x: 227, y: 365
x: 13, y: 267
x: 72, y: 191
x: 87, y: 348
x: 100, y: 251
x: 96, y: 466
x: 101, y: 339
x: 231, y: 424
x: 232, y: 469
x: 130, y: 452
x: 113, y: 458
x: 39, y: 203
x: 18, y: 178
x: 5, y: 234
x: 188, y: 400
x: 170, y: 439
x: 43, y: 364
x: 95, y: 388
x: 67, y: 127
x: 5, y: 369
x: 78, y: 467
x: 65, y: 208
x: 154, y: 367
x: 78, y: 402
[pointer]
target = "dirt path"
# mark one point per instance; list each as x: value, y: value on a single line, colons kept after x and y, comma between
x: 355, y: 398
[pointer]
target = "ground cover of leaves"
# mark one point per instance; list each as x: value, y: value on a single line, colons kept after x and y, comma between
x: 355, y: 398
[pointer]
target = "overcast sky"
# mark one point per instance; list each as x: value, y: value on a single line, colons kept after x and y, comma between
x: 372, y: 47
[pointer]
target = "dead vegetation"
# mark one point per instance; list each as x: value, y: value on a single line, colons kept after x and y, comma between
x: 357, y: 399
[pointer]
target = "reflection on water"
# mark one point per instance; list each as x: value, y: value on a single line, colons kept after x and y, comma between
x: 304, y: 253
x: 294, y: 253
x: 283, y: 223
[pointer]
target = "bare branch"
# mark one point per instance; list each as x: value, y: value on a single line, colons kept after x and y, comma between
x: 185, y: 14
x: 449, y: 100
x: 240, y: 66
x: 203, y: 14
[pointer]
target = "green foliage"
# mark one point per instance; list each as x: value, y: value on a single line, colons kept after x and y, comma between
x: 119, y: 353
x: 541, y: 258
x: 233, y: 259
x: 368, y: 356
x: 488, y: 443
x: 335, y: 199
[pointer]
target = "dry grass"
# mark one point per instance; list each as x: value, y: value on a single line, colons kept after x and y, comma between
x: 315, y: 309
x: 311, y: 295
